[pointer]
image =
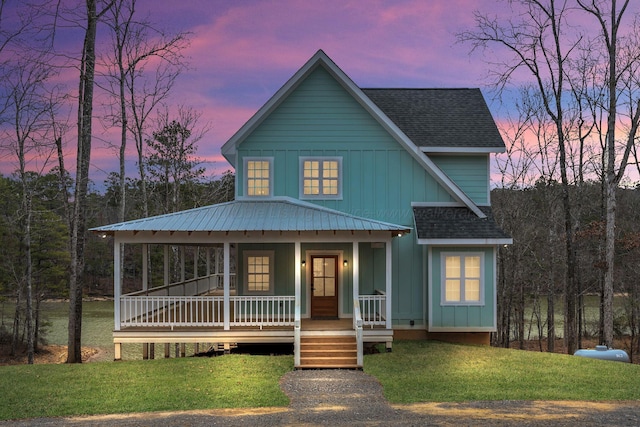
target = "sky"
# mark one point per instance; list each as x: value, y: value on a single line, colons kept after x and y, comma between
x: 241, y: 52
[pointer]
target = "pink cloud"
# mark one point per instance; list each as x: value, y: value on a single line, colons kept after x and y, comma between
x: 242, y: 52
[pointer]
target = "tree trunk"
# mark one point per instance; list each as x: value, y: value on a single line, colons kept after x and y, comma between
x: 29, y: 280
x: 15, y: 338
x: 607, y: 291
x: 85, y: 110
x: 551, y: 327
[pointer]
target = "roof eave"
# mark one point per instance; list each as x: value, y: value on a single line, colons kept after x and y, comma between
x: 466, y: 242
x: 462, y: 150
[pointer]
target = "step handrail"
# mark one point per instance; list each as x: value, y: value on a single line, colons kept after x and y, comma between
x: 357, y: 321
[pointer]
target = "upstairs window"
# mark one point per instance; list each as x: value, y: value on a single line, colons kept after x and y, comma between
x: 321, y: 178
x: 259, y: 171
x: 462, y: 281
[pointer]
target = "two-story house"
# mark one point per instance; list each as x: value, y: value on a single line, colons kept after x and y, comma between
x: 360, y: 215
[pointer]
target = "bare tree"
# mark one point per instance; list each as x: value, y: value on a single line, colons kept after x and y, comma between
x: 85, y: 113
x: 26, y: 105
x: 617, y: 89
x: 141, y: 57
x: 537, y: 44
x: 172, y: 158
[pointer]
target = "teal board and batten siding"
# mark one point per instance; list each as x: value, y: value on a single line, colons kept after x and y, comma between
x: 283, y: 275
x: 380, y: 178
x: 284, y: 278
x: 470, y: 173
x: 465, y: 317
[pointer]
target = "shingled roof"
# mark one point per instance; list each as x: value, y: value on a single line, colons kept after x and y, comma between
x: 450, y: 224
x: 436, y: 118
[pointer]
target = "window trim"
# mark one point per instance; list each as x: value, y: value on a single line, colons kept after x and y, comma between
x: 246, y: 161
x: 320, y: 196
x: 245, y: 282
x: 443, y: 279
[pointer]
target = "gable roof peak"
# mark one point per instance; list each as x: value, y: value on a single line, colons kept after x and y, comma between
x: 321, y: 58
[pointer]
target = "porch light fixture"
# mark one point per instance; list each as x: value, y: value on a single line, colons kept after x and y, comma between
x: 345, y: 263
x: 303, y: 263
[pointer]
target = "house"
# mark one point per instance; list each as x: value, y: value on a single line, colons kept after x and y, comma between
x: 360, y: 216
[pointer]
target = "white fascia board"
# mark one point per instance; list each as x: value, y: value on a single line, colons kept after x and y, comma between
x: 437, y: 205
x: 320, y: 58
x: 443, y: 204
x: 465, y: 242
x: 462, y: 150
x: 462, y: 329
x: 204, y: 238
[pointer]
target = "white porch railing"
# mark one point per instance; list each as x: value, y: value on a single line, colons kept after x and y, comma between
x: 373, y: 309
x: 262, y: 311
x: 357, y: 324
x: 149, y: 310
x: 197, y: 286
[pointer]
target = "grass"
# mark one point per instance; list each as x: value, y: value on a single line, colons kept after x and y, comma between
x: 231, y: 381
x: 416, y: 371
x: 422, y: 371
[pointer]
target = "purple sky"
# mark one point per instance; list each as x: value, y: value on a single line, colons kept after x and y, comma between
x: 243, y: 51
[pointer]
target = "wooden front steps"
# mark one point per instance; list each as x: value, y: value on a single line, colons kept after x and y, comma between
x: 328, y: 352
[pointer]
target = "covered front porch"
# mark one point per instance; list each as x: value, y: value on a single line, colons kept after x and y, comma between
x: 215, y: 301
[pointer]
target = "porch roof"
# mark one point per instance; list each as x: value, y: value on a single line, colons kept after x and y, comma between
x: 244, y: 214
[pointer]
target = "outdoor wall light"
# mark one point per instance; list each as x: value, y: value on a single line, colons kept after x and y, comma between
x: 345, y: 263
x: 304, y: 263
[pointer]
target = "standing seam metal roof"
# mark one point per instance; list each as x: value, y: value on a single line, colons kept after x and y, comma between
x: 275, y: 214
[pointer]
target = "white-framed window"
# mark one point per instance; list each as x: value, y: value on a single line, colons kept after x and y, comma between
x: 462, y: 278
x: 320, y: 177
x: 258, y: 176
x: 258, y: 272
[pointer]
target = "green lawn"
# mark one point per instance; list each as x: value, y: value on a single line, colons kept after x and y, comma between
x: 422, y: 371
x: 416, y: 371
x: 231, y: 381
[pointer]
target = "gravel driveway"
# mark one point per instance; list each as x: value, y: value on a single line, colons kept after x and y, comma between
x: 353, y: 398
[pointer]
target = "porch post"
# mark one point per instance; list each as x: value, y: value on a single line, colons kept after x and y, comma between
x: 297, y: 306
x: 226, y: 284
x: 388, y: 280
x: 208, y: 261
x: 166, y: 265
x: 356, y: 274
x: 117, y: 284
x: 145, y: 266
x: 297, y: 274
x: 196, y: 255
x: 182, y: 272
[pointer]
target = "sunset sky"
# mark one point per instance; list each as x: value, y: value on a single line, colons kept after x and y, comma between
x: 243, y: 51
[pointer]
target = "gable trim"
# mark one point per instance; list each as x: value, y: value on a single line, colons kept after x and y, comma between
x: 462, y: 150
x: 465, y: 242
x: 321, y: 59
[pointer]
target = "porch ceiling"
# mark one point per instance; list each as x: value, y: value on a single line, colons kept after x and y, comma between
x: 245, y: 215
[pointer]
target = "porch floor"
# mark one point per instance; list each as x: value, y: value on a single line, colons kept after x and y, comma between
x: 307, y: 324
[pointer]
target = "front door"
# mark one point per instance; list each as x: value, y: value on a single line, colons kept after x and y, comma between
x: 324, y: 286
